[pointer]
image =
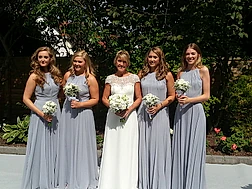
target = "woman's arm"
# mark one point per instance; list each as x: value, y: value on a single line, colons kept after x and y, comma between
x: 205, y: 76
x: 63, y: 83
x: 29, y: 89
x: 94, y: 95
x: 170, y: 90
x: 138, y: 99
x: 138, y: 96
x: 65, y: 78
x: 106, y: 94
x: 139, y: 74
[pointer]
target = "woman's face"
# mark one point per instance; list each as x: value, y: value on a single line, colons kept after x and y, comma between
x: 153, y: 60
x: 79, y: 64
x: 44, y: 58
x: 191, y: 56
x: 121, y: 64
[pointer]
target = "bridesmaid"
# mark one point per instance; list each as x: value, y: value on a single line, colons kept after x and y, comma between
x: 154, y: 136
x: 77, y: 160
x: 189, y: 140
x: 41, y: 150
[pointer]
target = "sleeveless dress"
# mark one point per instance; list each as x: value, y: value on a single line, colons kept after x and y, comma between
x: 154, y: 138
x: 77, y: 160
x: 189, y: 140
x: 41, y: 149
x: 120, y: 148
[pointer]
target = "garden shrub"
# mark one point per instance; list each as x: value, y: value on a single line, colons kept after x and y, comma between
x: 237, y: 106
x: 233, y: 143
x: 236, y: 117
x: 17, y: 133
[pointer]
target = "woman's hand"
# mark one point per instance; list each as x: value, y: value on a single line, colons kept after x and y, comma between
x: 124, y: 113
x: 183, y: 100
x: 47, y: 117
x: 75, y: 104
x: 154, y: 109
x: 121, y: 113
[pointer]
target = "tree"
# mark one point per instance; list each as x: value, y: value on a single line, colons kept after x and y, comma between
x: 15, y: 40
x: 220, y: 28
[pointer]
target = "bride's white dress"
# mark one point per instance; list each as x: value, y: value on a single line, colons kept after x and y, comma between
x: 119, y: 165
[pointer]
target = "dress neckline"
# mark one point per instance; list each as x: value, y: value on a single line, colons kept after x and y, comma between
x: 190, y: 70
x: 79, y: 75
x: 122, y: 76
x: 152, y: 73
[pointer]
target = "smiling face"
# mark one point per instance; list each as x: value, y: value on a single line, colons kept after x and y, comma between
x: 79, y: 64
x: 44, y: 59
x: 121, y: 64
x: 191, y: 56
x: 153, y: 60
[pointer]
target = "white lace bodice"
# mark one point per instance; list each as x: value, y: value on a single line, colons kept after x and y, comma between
x: 123, y: 85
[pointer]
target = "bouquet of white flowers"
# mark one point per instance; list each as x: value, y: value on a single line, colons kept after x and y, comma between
x: 150, y: 100
x: 71, y: 91
x: 181, y: 86
x: 49, y: 108
x: 118, y: 102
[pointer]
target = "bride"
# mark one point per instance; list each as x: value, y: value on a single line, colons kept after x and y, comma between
x: 119, y: 165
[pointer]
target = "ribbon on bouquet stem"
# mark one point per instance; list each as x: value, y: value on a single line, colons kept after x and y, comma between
x: 70, y: 98
x: 150, y: 115
x: 180, y: 93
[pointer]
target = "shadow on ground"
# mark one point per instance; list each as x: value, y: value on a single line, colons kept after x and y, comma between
x: 249, y: 186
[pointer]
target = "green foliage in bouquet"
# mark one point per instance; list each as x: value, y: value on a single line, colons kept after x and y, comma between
x: 17, y: 133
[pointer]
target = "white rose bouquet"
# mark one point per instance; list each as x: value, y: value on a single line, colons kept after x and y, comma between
x: 150, y: 100
x: 71, y: 91
x: 49, y: 108
x: 118, y: 103
x: 181, y: 86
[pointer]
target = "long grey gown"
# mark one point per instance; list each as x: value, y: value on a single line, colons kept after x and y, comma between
x: 41, y: 150
x: 78, y: 168
x: 189, y: 140
x: 154, y: 139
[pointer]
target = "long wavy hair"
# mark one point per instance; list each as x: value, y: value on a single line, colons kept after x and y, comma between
x: 162, y: 68
x: 88, y: 67
x: 36, y: 68
x: 184, y: 63
x: 122, y: 54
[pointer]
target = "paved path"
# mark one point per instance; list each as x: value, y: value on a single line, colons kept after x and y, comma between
x: 219, y: 176
x: 11, y: 167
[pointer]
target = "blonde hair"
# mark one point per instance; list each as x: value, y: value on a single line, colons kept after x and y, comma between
x: 162, y: 68
x: 122, y: 54
x: 36, y: 68
x: 198, y: 63
x: 89, y: 69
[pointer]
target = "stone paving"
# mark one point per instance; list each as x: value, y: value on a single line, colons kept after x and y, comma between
x: 218, y: 176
